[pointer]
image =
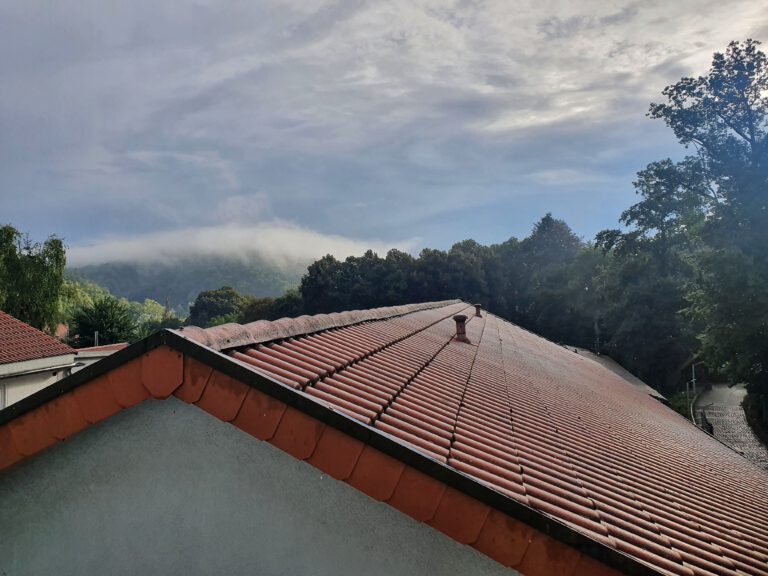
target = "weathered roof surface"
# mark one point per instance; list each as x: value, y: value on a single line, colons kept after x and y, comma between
x: 542, y: 425
x: 542, y: 459
x: 20, y: 342
x: 618, y: 369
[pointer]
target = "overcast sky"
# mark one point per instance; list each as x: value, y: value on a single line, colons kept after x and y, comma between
x: 314, y: 126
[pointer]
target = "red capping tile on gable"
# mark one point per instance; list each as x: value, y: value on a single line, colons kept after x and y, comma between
x: 223, y: 396
x: 504, y: 539
x: 336, y: 453
x: 96, y: 400
x: 196, y: 376
x: 417, y: 495
x: 65, y: 416
x: 9, y: 455
x: 32, y: 432
x: 162, y: 371
x: 376, y: 474
x: 546, y: 556
x: 460, y: 516
x: 126, y: 384
x: 590, y: 567
x: 259, y: 415
x: 297, y: 434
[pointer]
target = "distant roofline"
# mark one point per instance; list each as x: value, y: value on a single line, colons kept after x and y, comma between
x: 104, y: 348
x: 235, y: 335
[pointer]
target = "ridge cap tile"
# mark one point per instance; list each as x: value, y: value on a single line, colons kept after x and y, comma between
x: 234, y: 335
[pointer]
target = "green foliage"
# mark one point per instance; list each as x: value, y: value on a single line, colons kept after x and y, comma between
x: 729, y: 302
x: 543, y: 282
x: 222, y: 305
x: 77, y: 294
x: 179, y: 282
x: 725, y: 116
x: 151, y: 316
x: 108, y: 316
x: 288, y: 305
x: 31, y: 278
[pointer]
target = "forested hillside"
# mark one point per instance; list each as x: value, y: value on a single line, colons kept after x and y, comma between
x: 180, y: 281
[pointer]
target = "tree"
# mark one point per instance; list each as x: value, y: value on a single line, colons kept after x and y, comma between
x: 108, y: 316
x: 323, y: 287
x: 77, y: 293
x: 150, y: 316
x: 31, y: 278
x: 224, y: 302
x: 724, y: 116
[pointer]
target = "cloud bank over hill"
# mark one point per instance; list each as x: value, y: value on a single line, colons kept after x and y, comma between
x: 278, y: 243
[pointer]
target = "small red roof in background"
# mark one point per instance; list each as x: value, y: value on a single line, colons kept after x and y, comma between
x: 20, y: 342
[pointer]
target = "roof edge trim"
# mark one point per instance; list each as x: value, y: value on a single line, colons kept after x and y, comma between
x: 235, y: 335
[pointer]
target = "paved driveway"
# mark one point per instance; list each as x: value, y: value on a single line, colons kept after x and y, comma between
x: 721, y: 407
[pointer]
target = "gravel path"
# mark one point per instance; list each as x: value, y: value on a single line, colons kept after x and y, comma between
x: 721, y: 408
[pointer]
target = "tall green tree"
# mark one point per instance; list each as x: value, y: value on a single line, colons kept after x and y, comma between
x: 223, y: 304
x: 108, y: 316
x: 31, y: 278
x: 724, y: 116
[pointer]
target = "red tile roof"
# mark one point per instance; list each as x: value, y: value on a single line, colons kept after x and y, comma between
x: 498, y: 442
x: 536, y: 422
x: 162, y: 371
x: 20, y: 342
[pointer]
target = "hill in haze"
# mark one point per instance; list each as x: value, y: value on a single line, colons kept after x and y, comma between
x: 180, y: 281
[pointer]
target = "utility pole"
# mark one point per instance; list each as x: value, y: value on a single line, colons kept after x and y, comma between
x: 96, y: 338
x: 693, y: 377
x: 597, y: 338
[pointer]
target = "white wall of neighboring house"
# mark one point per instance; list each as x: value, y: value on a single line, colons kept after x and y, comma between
x: 21, y: 379
x: 85, y: 359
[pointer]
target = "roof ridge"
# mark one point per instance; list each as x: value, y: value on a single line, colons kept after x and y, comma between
x: 233, y: 335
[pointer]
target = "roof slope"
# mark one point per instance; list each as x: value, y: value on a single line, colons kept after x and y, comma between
x: 537, y: 422
x: 542, y: 459
x: 617, y: 368
x: 20, y: 342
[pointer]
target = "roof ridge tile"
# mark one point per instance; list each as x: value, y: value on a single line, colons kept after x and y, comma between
x: 234, y: 335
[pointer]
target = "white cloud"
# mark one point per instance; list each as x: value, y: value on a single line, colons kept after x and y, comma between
x: 278, y: 242
x: 119, y: 117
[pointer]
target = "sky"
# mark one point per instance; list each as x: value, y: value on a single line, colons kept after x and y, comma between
x: 144, y: 128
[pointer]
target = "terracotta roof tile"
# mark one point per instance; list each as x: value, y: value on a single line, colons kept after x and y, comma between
x: 538, y: 423
x: 259, y: 415
x: 541, y: 426
x: 20, y: 342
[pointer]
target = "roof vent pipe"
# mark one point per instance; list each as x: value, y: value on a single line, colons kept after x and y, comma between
x: 478, y: 308
x: 461, y: 328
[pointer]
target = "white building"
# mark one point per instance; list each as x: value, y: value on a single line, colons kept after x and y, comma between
x: 29, y: 360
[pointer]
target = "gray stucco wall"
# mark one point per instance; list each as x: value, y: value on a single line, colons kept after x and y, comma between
x: 165, y: 488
